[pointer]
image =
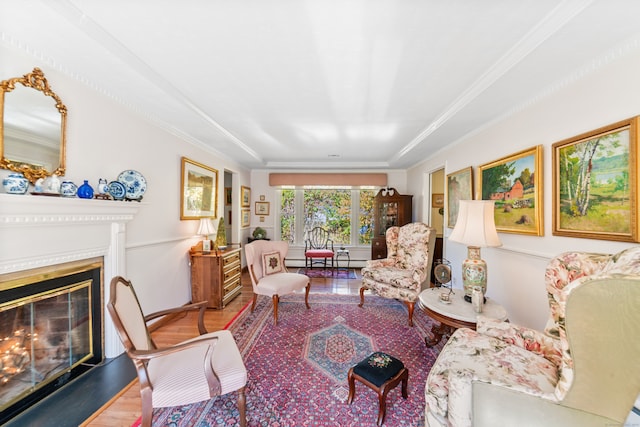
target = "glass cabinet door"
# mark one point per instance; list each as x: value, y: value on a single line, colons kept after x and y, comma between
x: 388, y: 216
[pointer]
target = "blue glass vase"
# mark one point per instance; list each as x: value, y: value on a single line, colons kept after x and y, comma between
x: 85, y: 191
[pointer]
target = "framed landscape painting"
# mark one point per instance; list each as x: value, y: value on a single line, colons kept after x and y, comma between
x: 459, y: 187
x: 514, y: 182
x: 199, y: 190
x: 595, y: 184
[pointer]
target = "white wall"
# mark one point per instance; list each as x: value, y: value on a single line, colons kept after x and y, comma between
x: 516, y: 271
x: 103, y: 139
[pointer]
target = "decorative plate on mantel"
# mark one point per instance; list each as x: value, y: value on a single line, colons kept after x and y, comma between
x: 117, y: 190
x: 134, y: 183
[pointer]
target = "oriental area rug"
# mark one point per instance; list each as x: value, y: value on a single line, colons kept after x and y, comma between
x: 297, y: 370
x: 319, y: 272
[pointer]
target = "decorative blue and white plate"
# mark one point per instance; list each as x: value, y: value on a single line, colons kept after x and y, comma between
x: 117, y: 190
x: 134, y: 182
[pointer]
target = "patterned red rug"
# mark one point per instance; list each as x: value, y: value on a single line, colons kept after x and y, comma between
x: 319, y: 272
x: 298, y: 369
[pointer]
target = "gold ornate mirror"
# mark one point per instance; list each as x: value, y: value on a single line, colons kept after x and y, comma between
x: 32, y: 127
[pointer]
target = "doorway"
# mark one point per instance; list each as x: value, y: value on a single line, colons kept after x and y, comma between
x: 436, y: 211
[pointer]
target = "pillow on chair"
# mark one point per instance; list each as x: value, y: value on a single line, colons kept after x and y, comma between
x: 271, y: 263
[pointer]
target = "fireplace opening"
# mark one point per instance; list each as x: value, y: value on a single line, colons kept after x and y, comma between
x: 50, y: 331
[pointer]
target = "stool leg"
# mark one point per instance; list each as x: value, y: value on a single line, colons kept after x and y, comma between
x: 352, y: 386
x: 405, y: 381
x: 382, y: 401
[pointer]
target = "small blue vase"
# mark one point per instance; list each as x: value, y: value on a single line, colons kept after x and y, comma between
x: 85, y: 191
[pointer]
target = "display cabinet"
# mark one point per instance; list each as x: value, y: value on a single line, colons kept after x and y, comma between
x: 215, y: 275
x: 389, y: 208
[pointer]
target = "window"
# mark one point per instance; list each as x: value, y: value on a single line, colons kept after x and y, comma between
x: 346, y: 212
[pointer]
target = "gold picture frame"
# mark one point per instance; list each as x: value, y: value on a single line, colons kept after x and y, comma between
x: 245, y: 196
x: 199, y: 190
x: 437, y: 200
x: 262, y: 208
x: 245, y: 218
x: 459, y: 187
x: 595, y: 183
x: 514, y: 182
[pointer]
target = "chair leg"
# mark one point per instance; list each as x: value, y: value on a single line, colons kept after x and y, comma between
x: 410, y: 306
x: 147, y: 410
x: 253, y: 305
x: 276, y: 299
x: 306, y: 295
x: 362, y: 289
x: 242, y: 407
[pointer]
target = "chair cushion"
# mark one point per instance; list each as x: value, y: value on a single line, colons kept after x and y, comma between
x: 281, y: 284
x: 178, y: 378
x: 271, y: 263
x: 319, y: 253
x: 469, y: 356
x: 392, y: 276
x: 378, y: 368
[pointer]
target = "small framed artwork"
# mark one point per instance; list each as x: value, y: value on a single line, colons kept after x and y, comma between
x: 227, y: 195
x: 595, y: 183
x: 199, y: 190
x: 459, y: 187
x: 514, y: 182
x: 262, y: 208
x: 245, y: 215
x: 262, y: 198
x: 437, y: 200
x: 245, y: 196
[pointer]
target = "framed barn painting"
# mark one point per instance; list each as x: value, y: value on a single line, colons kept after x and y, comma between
x: 595, y: 184
x: 514, y: 182
x: 459, y: 187
x: 199, y: 190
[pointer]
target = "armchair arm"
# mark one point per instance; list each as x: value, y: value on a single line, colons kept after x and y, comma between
x: 150, y: 354
x: 378, y: 263
x: 498, y: 406
x: 529, y: 339
x: 202, y: 305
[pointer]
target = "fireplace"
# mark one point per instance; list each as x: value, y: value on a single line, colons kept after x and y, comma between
x: 50, y: 331
x: 43, y: 239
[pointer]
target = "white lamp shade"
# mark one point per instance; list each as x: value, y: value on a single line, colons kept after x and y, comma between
x: 475, y: 225
x: 205, y: 228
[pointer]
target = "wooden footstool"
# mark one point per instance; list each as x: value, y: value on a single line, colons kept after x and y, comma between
x: 381, y: 373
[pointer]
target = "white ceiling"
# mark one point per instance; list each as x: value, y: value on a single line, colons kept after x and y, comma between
x: 323, y: 84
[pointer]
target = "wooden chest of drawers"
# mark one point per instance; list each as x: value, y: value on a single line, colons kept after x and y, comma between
x: 215, y: 276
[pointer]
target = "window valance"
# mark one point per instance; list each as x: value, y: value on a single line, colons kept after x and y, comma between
x: 352, y: 179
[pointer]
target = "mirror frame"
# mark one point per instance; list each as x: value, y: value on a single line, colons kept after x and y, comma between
x: 35, y: 80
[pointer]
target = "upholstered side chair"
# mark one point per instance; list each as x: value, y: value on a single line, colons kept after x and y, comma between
x: 192, y: 371
x: 318, y: 246
x: 404, y: 273
x: 269, y: 275
x: 582, y: 370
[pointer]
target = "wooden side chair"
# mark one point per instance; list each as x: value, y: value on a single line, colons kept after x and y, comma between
x: 192, y: 371
x: 318, y: 245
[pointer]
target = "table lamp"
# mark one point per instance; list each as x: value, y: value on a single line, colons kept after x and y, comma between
x: 205, y: 229
x: 476, y: 228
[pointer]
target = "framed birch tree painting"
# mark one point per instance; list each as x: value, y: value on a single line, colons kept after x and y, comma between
x: 595, y: 184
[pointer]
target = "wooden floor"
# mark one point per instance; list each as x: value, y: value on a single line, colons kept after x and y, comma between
x: 125, y: 408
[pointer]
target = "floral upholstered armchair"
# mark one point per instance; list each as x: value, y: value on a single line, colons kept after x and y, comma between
x: 582, y: 370
x: 404, y: 272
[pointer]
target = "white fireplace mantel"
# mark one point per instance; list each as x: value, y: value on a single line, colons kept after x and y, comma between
x: 39, y: 231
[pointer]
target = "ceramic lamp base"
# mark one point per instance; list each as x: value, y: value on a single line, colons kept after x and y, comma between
x: 474, y: 272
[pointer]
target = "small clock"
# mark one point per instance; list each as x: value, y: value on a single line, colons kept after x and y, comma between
x: 442, y: 272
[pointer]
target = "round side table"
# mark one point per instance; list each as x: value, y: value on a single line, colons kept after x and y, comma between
x: 457, y: 314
